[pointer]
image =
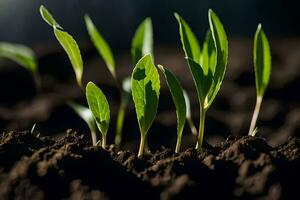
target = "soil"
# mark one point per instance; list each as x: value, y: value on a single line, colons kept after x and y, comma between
x: 34, y: 167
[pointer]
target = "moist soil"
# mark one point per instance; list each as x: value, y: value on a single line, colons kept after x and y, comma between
x: 69, y: 167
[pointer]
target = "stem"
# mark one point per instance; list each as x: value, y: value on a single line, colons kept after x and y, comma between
x: 255, y: 115
x: 178, y: 144
x: 192, y: 126
x: 94, y: 138
x: 142, y: 144
x: 120, y: 122
x: 103, y: 141
x: 37, y: 81
x: 201, y: 128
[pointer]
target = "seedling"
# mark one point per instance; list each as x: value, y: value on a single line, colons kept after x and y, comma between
x: 145, y: 92
x: 142, y: 43
x: 207, y: 66
x: 189, y: 115
x: 86, y: 114
x: 67, y: 42
x: 262, y: 68
x: 179, y: 101
x: 24, y: 56
x: 100, y: 108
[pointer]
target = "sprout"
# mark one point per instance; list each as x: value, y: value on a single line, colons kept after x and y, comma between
x: 67, y: 42
x: 145, y: 92
x: 100, y: 108
x: 179, y: 101
x: 262, y: 68
x: 207, y: 66
x: 142, y: 43
x: 188, y: 114
x: 24, y: 56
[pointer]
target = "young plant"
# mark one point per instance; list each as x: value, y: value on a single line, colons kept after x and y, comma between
x: 262, y: 68
x: 24, y: 56
x: 67, y: 42
x: 207, y: 66
x: 87, y: 116
x: 100, y: 108
x: 145, y: 92
x: 142, y: 43
x: 179, y: 101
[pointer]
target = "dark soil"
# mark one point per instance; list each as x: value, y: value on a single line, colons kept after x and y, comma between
x: 33, y: 167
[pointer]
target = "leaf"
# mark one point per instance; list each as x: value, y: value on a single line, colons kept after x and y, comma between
x: 262, y: 60
x: 208, y: 54
x: 72, y: 49
x: 99, y: 107
x: 101, y: 45
x: 178, y: 98
x: 48, y: 18
x: 85, y: 114
x: 189, y: 41
x: 145, y: 92
x: 142, y: 41
x: 20, y: 54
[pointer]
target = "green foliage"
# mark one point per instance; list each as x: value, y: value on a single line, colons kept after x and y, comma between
x: 142, y: 41
x: 100, y: 108
x: 87, y: 116
x: 179, y: 101
x: 145, y: 92
x: 101, y: 45
x: 67, y: 42
x: 207, y: 66
x: 20, y: 54
x: 262, y: 60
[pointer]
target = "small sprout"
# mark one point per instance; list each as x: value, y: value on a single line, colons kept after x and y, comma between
x: 101, y: 45
x: 142, y: 41
x: 145, y: 92
x: 179, y: 101
x: 100, y: 108
x: 67, y: 42
x: 262, y: 68
x: 207, y: 67
x: 22, y: 55
x: 87, y: 116
x: 33, y: 128
x: 188, y: 114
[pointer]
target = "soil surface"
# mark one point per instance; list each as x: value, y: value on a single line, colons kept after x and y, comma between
x: 35, y: 167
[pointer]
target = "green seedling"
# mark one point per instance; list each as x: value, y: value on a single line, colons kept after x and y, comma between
x: 87, y: 116
x: 142, y: 43
x: 207, y: 66
x: 145, y: 92
x: 189, y: 115
x: 100, y: 108
x: 262, y: 68
x: 179, y: 101
x: 67, y: 42
x: 22, y: 55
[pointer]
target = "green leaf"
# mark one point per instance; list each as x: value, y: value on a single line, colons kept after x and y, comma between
x: 142, y: 41
x: 208, y: 54
x: 85, y: 114
x: 189, y: 41
x: 145, y: 92
x: 178, y: 98
x: 48, y: 18
x: 99, y: 106
x: 262, y: 60
x: 72, y: 49
x: 20, y: 54
x: 101, y: 45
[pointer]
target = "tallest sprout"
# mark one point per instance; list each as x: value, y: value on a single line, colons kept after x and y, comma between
x: 262, y: 68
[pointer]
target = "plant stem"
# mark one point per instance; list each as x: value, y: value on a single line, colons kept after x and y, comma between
x: 142, y: 144
x: 103, y: 141
x: 37, y: 81
x: 178, y: 144
x: 255, y: 115
x: 94, y: 138
x: 192, y: 126
x: 120, y: 121
x: 201, y: 128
